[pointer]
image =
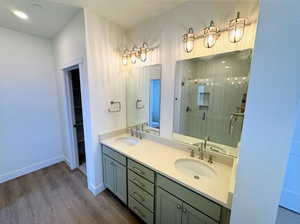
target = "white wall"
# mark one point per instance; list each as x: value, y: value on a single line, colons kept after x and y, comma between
x: 270, y: 116
x: 69, y: 48
x: 165, y: 33
x: 30, y: 134
x: 107, y: 82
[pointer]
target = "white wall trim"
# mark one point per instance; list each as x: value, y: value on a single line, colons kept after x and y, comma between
x: 72, y: 63
x: 68, y: 113
x: 67, y: 161
x: 29, y: 169
x: 96, y: 189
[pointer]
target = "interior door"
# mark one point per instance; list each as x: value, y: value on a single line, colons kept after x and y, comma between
x: 121, y: 182
x: 168, y: 208
x: 109, y: 173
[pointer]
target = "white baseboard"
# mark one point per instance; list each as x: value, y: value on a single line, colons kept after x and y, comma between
x: 290, y: 200
x: 96, y: 189
x: 67, y: 161
x: 29, y: 169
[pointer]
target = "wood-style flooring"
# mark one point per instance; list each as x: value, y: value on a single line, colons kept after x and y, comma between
x: 57, y: 195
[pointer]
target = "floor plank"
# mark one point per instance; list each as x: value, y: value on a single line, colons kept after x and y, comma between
x: 56, y: 195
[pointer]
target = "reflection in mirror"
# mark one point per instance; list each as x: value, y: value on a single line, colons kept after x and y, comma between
x: 210, y: 98
x: 143, y: 98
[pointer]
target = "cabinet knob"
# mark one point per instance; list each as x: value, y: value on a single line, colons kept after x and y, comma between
x: 184, y: 210
x: 179, y: 206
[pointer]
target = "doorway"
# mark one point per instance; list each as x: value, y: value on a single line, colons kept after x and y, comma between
x: 154, y: 118
x: 73, y: 76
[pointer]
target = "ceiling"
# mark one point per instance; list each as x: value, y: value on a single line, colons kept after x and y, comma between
x: 45, y: 18
x: 126, y: 13
x: 56, y: 13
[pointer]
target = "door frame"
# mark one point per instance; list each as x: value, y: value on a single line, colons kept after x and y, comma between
x: 68, y: 111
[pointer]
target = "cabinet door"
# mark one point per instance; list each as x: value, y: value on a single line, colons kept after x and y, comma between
x: 120, y: 182
x: 109, y: 173
x: 168, y: 208
x: 193, y: 216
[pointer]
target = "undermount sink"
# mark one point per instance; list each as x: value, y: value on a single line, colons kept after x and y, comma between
x: 194, y: 169
x: 128, y: 140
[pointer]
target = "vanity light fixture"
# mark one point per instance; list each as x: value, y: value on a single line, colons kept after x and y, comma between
x: 136, y: 53
x: 236, y: 29
x: 188, y: 40
x: 211, y: 35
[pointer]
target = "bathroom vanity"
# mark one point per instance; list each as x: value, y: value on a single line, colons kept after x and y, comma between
x: 155, y: 182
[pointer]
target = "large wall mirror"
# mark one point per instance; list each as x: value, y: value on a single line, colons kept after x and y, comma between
x: 143, y: 98
x: 210, y: 97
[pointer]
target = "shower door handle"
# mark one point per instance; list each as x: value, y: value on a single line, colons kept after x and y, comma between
x: 203, y: 116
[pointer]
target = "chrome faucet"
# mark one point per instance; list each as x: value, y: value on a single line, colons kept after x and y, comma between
x: 137, y: 131
x: 201, y: 152
x: 205, y: 142
x: 131, y: 131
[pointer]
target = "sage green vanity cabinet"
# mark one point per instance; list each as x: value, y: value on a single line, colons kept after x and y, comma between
x: 156, y: 198
x: 115, y: 177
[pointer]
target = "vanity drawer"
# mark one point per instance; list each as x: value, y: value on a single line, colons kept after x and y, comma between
x: 203, y: 204
x: 141, y: 170
x: 142, y: 212
x: 113, y: 154
x: 141, y: 196
x: 141, y: 182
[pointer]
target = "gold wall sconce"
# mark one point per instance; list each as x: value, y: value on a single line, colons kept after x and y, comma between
x: 210, y: 34
x: 236, y: 28
x: 136, y: 53
x: 189, y: 39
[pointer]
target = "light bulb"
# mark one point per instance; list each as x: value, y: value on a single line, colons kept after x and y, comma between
x: 124, y: 60
x: 189, y: 46
x: 188, y: 39
x: 143, y: 56
x: 236, y: 35
x: 211, y: 35
x: 20, y: 14
x: 133, y: 58
x: 236, y: 29
x: 143, y: 52
x: 125, y: 57
x: 210, y: 41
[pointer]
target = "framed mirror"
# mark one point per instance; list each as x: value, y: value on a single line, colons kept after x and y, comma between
x: 143, y: 90
x: 210, y: 98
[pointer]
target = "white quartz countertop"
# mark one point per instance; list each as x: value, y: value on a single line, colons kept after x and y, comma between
x: 161, y: 158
